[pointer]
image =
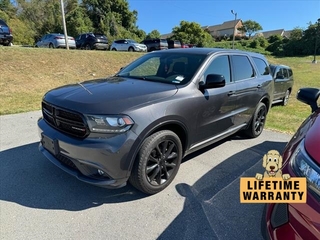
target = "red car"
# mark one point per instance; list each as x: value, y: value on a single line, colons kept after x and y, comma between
x: 301, y: 158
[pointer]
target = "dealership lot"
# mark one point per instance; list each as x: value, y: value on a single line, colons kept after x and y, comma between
x: 39, y: 201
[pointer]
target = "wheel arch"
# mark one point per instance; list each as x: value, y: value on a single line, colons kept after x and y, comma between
x: 267, y: 102
x: 173, y: 125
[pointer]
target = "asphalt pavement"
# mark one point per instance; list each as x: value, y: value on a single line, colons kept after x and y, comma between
x: 40, y: 201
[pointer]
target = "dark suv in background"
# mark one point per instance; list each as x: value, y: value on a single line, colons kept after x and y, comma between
x: 90, y: 41
x: 155, y: 44
x: 140, y: 123
x: 6, y: 37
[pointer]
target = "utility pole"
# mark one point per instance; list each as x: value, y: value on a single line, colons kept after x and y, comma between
x: 316, y: 41
x: 64, y: 25
x: 234, y: 28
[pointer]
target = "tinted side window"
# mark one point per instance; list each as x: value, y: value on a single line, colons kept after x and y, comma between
x: 261, y: 65
x: 285, y: 73
x: 290, y: 73
x: 242, y: 68
x: 219, y: 65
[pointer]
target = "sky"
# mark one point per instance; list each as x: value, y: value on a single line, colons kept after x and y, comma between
x: 163, y: 15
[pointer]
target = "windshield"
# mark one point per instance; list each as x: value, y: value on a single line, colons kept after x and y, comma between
x: 171, y: 68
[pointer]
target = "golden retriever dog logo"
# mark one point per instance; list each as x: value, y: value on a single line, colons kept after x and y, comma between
x: 272, y: 162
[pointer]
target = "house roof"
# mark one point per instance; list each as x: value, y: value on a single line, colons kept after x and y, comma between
x: 167, y: 35
x: 223, y: 26
x: 268, y: 34
x: 213, y: 28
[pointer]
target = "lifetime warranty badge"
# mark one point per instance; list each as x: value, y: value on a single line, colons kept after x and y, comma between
x: 272, y: 186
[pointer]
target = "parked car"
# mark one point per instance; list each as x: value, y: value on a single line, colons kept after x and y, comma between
x: 140, y: 123
x: 6, y: 37
x: 301, y: 158
x: 184, y: 46
x: 174, y: 44
x: 55, y: 40
x: 128, y: 45
x: 90, y: 41
x: 283, y: 83
x: 155, y: 44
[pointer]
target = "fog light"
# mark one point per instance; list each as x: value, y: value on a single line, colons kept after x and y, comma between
x: 100, y: 172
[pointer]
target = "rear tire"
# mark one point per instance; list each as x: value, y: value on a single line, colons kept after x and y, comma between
x: 113, y: 49
x: 286, y: 98
x: 87, y: 47
x: 157, y: 162
x: 258, y: 121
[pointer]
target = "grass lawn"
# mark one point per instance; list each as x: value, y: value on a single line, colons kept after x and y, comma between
x: 27, y: 73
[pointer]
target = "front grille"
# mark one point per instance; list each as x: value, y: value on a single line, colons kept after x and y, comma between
x: 65, y: 121
x: 66, y: 161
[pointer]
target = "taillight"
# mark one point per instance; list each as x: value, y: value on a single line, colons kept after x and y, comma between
x: 10, y: 30
x: 58, y: 38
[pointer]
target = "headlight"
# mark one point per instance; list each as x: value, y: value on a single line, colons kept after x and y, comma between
x: 304, y: 166
x: 109, y: 124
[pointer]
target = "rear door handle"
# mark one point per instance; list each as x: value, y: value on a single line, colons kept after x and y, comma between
x: 231, y: 93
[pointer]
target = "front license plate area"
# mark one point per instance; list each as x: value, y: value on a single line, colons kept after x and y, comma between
x: 49, y: 144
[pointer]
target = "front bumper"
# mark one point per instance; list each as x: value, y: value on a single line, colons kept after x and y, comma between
x: 140, y: 49
x: 103, y: 162
x: 101, y: 46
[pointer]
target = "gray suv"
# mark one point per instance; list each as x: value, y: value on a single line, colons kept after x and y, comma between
x: 140, y: 123
x: 283, y: 83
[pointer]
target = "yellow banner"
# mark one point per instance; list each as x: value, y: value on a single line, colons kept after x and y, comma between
x: 277, y: 190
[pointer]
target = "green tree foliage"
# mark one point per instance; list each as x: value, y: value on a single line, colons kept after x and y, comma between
x: 192, y: 33
x: 153, y: 34
x: 249, y: 27
x: 22, y: 33
x: 108, y: 16
x: 296, y: 34
x: 8, y: 9
x: 43, y: 16
x: 78, y: 22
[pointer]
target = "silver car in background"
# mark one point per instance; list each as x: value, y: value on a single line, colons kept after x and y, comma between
x: 128, y: 45
x: 55, y: 40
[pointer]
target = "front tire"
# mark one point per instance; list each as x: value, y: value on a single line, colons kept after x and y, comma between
x: 51, y: 45
x: 157, y: 163
x: 257, y: 122
x: 286, y: 98
x: 131, y: 49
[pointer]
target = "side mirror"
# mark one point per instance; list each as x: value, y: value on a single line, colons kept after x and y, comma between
x: 309, y: 96
x: 213, y: 81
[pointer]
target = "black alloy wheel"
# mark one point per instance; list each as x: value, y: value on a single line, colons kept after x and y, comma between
x: 157, y: 163
x: 258, y: 121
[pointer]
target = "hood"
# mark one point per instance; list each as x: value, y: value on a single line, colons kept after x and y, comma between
x: 108, y: 96
x: 312, y: 140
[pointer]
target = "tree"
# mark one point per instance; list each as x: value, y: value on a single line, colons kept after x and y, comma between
x: 78, y: 22
x: 296, y: 34
x: 108, y: 16
x: 249, y: 27
x: 192, y: 33
x: 153, y: 34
